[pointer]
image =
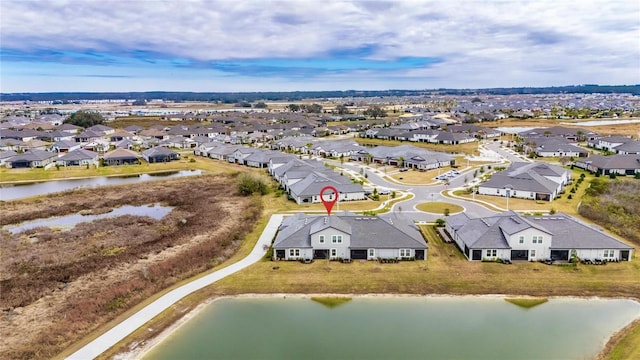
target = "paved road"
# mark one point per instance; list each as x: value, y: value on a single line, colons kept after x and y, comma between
x: 120, y: 331
x: 422, y: 193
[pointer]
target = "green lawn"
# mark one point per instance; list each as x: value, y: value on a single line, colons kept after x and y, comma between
x: 439, y: 207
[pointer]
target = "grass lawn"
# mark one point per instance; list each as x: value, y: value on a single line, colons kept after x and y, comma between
x: 468, y: 148
x: 626, y: 343
x: 445, y: 272
x: 439, y: 207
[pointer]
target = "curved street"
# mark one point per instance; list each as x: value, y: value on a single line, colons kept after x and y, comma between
x: 432, y: 192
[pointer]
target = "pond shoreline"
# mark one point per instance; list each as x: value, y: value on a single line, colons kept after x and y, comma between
x: 140, y: 349
x: 23, y: 182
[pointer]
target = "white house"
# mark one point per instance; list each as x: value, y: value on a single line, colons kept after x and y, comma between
x: 515, y: 237
x: 348, y: 236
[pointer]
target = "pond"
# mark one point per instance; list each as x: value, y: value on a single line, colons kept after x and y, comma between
x: 23, y: 190
x: 155, y: 211
x: 397, y: 328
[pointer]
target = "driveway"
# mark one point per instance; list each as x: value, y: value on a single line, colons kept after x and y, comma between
x: 131, y: 324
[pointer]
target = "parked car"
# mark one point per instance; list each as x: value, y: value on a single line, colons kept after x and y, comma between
x: 404, y: 169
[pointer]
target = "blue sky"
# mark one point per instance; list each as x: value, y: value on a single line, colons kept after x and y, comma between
x: 173, y: 45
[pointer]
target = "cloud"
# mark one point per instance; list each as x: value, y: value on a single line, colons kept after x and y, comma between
x: 454, y: 44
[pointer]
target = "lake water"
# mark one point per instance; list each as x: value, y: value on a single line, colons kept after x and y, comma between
x: 397, y: 328
x: 155, y: 211
x: 18, y: 191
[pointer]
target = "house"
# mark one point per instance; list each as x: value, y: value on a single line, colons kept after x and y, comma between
x: 348, y: 236
x: 89, y: 136
x: 619, y: 164
x: 516, y: 237
x: 79, y: 157
x: 261, y: 158
x: 307, y: 190
x: 536, y: 181
x: 570, y: 134
x: 611, y: 143
x: 556, y: 147
x: 160, y: 154
x: 241, y: 154
x: 101, y: 129
x: 69, y: 128
x: 223, y: 152
x: 405, y: 155
x: 121, y: 157
x: 12, y: 144
x: 65, y: 146
x: 32, y: 159
x: 6, y: 155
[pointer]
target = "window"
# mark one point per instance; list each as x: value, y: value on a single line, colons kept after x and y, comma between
x: 608, y: 253
x: 334, y: 252
x: 294, y: 252
x: 537, y: 239
x: 533, y: 253
x: 405, y: 252
x: 321, y: 239
x: 372, y: 253
x: 521, y: 239
x: 336, y: 239
x: 492, y: 253
x: 514, y: 193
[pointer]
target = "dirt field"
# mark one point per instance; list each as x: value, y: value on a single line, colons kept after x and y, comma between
x: 57, y: 286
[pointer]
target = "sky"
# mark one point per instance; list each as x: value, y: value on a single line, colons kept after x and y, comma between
x: 259, y: 45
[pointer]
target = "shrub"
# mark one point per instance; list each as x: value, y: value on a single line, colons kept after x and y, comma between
x: 447, y: 212
x: 570, y: 197
x: 612, y: 175
x: 249, y: 184
x: 440, y: 222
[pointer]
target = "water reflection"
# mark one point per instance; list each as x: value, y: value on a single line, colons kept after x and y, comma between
x: 22, y: 190
x: 155, y: 211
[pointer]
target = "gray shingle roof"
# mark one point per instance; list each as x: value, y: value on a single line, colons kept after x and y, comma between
x: 566, y: 232
x: 79, y: 154
x: 366, y: 232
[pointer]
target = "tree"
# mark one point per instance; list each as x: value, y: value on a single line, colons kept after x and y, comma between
x: 260, y: 105
x: 440, y: 222
x: 313, y: 108
x: 85, y: 119
x: 293, y: 107
x: 375, y: 111
x: 342, y: 109
x: 139, y: 102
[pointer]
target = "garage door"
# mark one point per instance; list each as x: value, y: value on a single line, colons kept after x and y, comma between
x: 562, y: 255
x: 359, y: 254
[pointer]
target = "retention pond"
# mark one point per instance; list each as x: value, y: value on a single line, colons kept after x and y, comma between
x: 397, y: 328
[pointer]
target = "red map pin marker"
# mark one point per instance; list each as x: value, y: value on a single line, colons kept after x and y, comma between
x: 329, y: 204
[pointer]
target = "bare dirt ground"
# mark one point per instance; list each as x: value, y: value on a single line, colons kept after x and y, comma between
x: 59, y: 285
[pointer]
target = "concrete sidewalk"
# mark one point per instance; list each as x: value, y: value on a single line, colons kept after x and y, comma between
x: 122, y: 330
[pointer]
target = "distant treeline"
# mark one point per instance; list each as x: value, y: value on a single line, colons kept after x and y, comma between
x: 235, y: 97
